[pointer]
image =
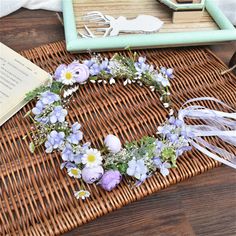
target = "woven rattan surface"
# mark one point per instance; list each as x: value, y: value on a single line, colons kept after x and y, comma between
x: 36, y: 197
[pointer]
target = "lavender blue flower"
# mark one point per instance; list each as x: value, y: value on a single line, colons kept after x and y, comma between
x: 137, y: 169
x: 54, y: 140
x: 110, y: 179
x: 161, y: 79
x: 165, y: 130
x: 141, y: 67
x: 37, y: 110
x: 76, y: 127
x: 58, y: 115
x: 173, y: 137
x: 183, y: 149
x: 67, y: 165
x: 67, y: 153
x: 104, y: 66
x: 89, y: 63
x: 163, y: 166
x: 159, y: 144
x: 48, y: 98
x: 176, y: 122
x: 74, y: 138
x: 94, y: 69
x: 168, y: 72
x: 43, y: 120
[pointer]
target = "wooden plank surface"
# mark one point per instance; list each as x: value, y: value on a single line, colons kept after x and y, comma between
x: 132, y: 9
x: 204, y: 205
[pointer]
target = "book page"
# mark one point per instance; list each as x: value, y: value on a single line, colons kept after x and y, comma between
x: 18, y: 76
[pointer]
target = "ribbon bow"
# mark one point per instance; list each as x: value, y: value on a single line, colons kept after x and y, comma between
x: 216, y: 123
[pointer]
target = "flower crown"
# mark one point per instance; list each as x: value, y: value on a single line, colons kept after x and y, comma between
x: 138, y: 159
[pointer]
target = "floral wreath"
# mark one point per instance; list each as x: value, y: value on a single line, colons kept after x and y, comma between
x: 138, y: 159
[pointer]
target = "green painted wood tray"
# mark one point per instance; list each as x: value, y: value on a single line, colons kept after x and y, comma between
x: 214, y: 27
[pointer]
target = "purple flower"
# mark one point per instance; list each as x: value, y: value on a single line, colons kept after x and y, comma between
x: 48, y: 98
x: 110, y: 179
x: 58, y: 114
x: 60, y: 68
x: 90, y: 175
x: 54, y: 140
x: 37, y: 110
x: 137, y: 169
x: 81, y: 71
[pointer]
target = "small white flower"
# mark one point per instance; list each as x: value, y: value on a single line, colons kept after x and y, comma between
x: 93, y: 81
x: 104, y: 81
x: 128, y: 81
x: 82, y: 194
x: 152, y: 88
x: 112, y: 81
x: 171, y: 112
x: 112, y: 143
x: 74, y: 172
x: 100, y: 81
x: 92, y: 158
x: 166, y: 105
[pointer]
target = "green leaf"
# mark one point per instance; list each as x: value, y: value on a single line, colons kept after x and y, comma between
x: 122, y: 167
x: 36, y: 92
x: 56, y: 87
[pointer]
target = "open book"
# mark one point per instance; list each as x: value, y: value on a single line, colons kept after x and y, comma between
x: 18, y: 76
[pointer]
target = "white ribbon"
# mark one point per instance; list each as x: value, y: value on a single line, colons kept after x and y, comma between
x: 216, y: 123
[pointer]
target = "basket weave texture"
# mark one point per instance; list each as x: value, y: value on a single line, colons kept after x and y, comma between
x: 36, y: 197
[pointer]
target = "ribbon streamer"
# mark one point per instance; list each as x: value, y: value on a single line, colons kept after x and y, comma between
x: 216, y: 123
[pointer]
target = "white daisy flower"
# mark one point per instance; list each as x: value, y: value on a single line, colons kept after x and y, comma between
x: 74, y: 172
x: 92, y: 158
x: 82, y: 194
x: 68, y: 77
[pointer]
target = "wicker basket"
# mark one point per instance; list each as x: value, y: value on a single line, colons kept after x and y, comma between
x: 36, y: 197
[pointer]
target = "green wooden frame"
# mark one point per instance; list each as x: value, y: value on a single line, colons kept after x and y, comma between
x: 227, y: 32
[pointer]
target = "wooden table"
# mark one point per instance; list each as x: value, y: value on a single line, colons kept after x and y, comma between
x: 204, y: 205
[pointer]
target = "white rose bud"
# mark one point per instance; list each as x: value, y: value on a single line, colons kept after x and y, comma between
x: 112, y: 143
